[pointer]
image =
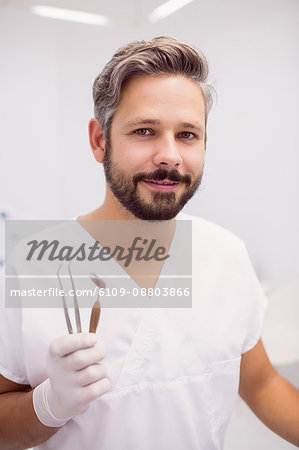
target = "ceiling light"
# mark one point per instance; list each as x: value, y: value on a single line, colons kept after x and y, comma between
x: 166, y: 9
x: 70, y: 14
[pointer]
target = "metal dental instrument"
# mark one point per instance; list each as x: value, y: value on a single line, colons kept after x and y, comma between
x: 76, y: 306
x: 66, y: 313
x: 96, y: 309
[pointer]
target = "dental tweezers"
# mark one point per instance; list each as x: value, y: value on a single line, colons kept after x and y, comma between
x: 96, y: 309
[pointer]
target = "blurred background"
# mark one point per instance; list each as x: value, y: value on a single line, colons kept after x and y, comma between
x: 251, y: 182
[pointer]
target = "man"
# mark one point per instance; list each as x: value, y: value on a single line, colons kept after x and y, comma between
x: 170, y: 375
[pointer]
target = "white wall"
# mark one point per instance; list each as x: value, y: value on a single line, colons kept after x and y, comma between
x: 251, y: 182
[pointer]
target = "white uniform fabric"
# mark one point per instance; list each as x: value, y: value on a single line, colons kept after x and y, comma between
x: 174, y: 372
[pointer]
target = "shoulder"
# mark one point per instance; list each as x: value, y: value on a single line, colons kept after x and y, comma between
x: 206, y: 233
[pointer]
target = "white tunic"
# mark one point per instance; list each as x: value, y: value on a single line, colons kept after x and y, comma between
x: 174, y: 372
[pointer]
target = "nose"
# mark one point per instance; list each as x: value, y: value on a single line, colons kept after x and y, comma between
x: 166, y: 153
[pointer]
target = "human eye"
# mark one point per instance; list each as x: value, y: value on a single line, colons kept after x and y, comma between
x: 143, y: 131
x: 187, y: 135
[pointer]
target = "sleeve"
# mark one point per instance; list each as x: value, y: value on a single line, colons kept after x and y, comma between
x: 254, y: 303
x: 12, y: 364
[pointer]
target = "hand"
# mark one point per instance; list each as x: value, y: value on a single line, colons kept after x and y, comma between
x: 76, y: 378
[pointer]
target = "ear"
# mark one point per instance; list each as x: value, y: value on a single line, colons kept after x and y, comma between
x: 96, y: 139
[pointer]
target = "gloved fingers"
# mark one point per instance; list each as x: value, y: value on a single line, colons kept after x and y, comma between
x: 91, y: 374
x: 83, y: 358
x: 95, y: 390
x: 70, y: 343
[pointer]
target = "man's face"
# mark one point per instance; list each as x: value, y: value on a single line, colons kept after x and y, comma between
x: 154, y: 161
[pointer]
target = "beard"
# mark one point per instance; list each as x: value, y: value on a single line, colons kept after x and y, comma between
x: 163, y: 205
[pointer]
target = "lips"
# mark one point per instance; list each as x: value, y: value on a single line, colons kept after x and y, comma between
x: 164, y: 182
x: 162, y: 185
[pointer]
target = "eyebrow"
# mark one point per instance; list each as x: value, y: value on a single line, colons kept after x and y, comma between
x: 139, y: 122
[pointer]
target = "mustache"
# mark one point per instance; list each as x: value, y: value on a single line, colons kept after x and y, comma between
x: 163, y: 174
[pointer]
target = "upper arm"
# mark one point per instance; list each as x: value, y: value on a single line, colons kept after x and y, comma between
x: 256, y: 372
x: 7, y: 385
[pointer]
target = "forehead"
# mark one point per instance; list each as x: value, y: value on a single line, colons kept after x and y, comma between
x: 161, y: 98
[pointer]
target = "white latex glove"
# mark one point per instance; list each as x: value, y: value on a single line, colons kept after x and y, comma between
x: 76, y: 378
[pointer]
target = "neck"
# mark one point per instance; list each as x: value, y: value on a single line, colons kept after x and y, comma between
x: 112, y: 225
x: 110, y: 209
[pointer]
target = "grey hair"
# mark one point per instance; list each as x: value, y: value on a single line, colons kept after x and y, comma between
x: 161, y: 56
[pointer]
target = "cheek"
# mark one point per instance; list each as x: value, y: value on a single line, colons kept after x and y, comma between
x: 131, y: 155
x: 194, y: 163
